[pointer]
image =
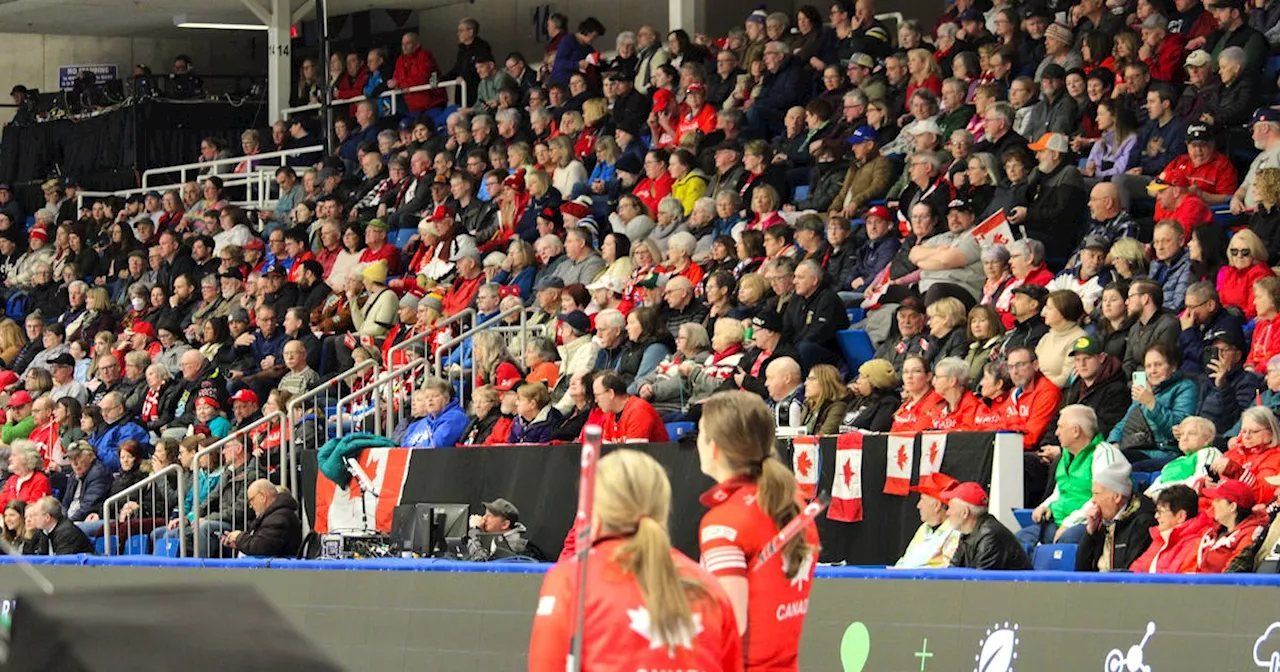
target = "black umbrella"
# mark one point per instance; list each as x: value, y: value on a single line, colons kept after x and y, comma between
x: 193, y: 629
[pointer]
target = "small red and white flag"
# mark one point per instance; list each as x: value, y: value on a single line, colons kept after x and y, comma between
x: 994, y: 230
x: 897, y: 477
x: 805, y: 463
x: 846, y: 486
x: 876, y: 290
x: 933, y: 445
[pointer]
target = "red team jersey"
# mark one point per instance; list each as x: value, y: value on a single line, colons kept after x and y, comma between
x: 733, y: 532
x: 617, y: 636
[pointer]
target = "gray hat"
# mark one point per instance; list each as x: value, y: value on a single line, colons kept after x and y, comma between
x: 238, y: 315
x: 433, y: 301
x: 466, y: 247
x: 501, y: 507
x: 1116, y: 478
x: 410, y: 301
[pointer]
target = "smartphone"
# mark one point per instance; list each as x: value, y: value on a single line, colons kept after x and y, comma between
x: 1140, y: 378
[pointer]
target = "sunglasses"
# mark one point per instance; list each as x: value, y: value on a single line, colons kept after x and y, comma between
x: 1240, y: 253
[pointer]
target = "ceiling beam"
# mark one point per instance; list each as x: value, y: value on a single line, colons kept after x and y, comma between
x: 302, y: 11
x: 263, y: 15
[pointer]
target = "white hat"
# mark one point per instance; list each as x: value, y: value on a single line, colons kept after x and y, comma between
x: 610, y: 282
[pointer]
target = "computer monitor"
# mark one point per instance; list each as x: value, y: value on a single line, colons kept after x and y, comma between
x: 448, y: 521
x: 411, y: 528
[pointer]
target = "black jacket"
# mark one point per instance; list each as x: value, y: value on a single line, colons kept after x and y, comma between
x: 825, y: 182
x: 1266, y: 223
x: 1232, y: 104
x: 1132, y: 535
x: 755, y: 383
x: 873, y: 413
x: 1026, y: 333
x: 990, y: 546
x: 1056, y: 197
x: 815, y: 318
x: 65, y: 539
x: 1109, y: 397
x: 277, y: 533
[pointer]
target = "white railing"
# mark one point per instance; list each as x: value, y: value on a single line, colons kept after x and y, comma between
x: 379, y: 406
x: 257, y: 182
x: 251, y: 438
x: 309, y: 398
x: 267, y: 157
x: 145, y: 516
x: 457, y: 90
x: 461, y: 316
x: 464, y: 379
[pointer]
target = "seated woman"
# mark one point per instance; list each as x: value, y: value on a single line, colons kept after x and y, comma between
x: 986, y: 333
x: 540, y: 357
x: 26, y: 482
x: 825, y: 401
x: 1246, y: 264
x: 1175, y: 539
x: 535, y: 418
x: 1253, y: 456
x: 486, y: 412
x: 752, y: 291
x: 15, y: 532
x: 875, y: 398
x: 919, y: 399
x: 999, y: 281
x: 1237, y: 526
x: 131, y: 473
x: 666, y: 387
x: 648, y: 343
x: 1266, y: 330
x: 1145, y: 433
x: 946, y: 320
x: 959, y: 408
x: 583, y: 412
x: 1063, y: 311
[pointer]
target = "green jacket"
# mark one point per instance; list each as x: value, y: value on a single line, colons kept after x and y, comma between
x: 20, y: 430
x: 1074, y: 484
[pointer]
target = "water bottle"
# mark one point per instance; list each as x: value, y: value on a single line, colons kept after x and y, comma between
x: 435, y: 78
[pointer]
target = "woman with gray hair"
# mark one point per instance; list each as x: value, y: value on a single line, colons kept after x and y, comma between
x: 26, y: 481
x: 701, y: 219
x: 679, y: 261
x: 666, y: 387
x: 959, y: 406
x: 670, y: 221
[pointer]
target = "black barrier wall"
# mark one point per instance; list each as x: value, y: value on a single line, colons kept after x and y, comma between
x: 472, y: 622
x: 543, y: 482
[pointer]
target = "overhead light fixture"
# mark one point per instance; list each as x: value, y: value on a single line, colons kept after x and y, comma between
x: 182, y: 22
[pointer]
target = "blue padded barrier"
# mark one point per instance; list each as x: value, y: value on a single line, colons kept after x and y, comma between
x: 99, y: 545
x: 801, y: 193
x: 1055, y: 557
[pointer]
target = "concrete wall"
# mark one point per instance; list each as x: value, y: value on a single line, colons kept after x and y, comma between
x: 33, y: 60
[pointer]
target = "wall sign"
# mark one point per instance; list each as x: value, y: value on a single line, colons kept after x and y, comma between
x: 67, y: 74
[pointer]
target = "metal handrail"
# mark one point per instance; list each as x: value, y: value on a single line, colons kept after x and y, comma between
x: 418, y: 338
x: 232, y: 161
x: 466, y: 335
x: 238, y: 435
x: 259, y: 179
x: 310, y: 395
x: 108, y: 520
x: 393, y: 94
x: 371, y: 390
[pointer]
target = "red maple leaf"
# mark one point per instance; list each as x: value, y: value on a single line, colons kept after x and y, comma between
x: 848, y: 473
x: 933, y: 453
x: 902, y: 457
x: 1000, y: 239
x: 803, y: 463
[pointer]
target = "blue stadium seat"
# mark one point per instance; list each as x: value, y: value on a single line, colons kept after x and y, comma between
x: 1142, y: 479
x: 856, y: 347
x: 1058, y: 557
x: 1023, y: 516
x: 675, y: 430
x: 1222, y: 214
x: 400, y: 237
x: 138, y: 544
x: 99, y: 545
x: 1272, y: 69
x: 801, y: 193
x: 856, y: 315
x: 169, y: 548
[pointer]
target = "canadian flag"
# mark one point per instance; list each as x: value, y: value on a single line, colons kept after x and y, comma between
x: 933, y: 445
x: 349, y: 506
x: 897, y: 477
x: 994, y: 230
x: 846, y: 486
x: 804, y: 460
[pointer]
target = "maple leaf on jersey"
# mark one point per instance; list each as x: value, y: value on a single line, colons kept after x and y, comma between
x: 804, y: 463
x: 848, y: 473
x: 902, y: 457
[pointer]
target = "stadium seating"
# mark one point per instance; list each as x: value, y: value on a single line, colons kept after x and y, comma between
x: 1059, y: 557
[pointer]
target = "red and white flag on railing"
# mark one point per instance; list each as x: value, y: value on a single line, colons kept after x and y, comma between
x: 933, y: 445
x: 897, y: 477
x: 994, y: 230
x: 805, y: 459
x: 846, y: 485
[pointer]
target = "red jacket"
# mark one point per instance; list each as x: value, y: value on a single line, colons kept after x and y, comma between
x: 460, y: 294
x: 638, y: 421
x: 1218, y: 176
x: 1167, y: 64
x: 1217, y: 548
x: 1235, y: 286
x: 1254, y: 466
x: 388, y: 252
x: 1190, y: 213
x: 617, y: 635
x: 963, y: 418
x: 990, y: 418
x: 733, y: 533
x: 651, y: 192
x: 1030, y: 411
x: 414, y: 70
x: 35, y: 487
x: 1266, y: 344
x: 913, y: 417
x: 1169, y: 555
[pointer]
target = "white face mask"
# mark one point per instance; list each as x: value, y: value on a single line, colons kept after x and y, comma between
x: 138, y: 303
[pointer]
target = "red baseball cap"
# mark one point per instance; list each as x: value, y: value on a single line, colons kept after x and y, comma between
x: 1233, y: 491
x: 879, y: 211
x: 970, y: 493
x: 19, y: 399
x: 937, y: 485
x: 8, y: 378
x: 441, y: 212
x: 575, y: 209
x: 245, y: 395
x: 507, y: 384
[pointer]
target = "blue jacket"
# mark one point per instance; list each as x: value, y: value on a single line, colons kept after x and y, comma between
x: 1192, y: 342
x: 537, y: 430
x: 438, y: 431
x: 107, y: 442
x: 781, y: 90
x: 568, y: 53
x: 522, y: 280
x: 1173, y: 143
x: 605, y: 172
x: 97, y: 483
x: 206, y: 482
x: 871, y: 258
x: 1174, y: 278
x: 1223, y: 404
x: 1176, y: 398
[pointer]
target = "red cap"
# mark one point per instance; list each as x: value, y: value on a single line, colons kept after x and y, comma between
x: 970, y: 493
x: 507, y: 384
x: 19, y: 399
x: 695, y: 87
x: 255, y: 244
x: 1233, y: 491
x: 441, y: 212
x: 515, y: 181
x: 575, y: 209
x: 144, y: 328
x: 879, y: 211
x: 935, y: 486
x: 8, y: 379
x: 39, y: 232
x: 245, y: 395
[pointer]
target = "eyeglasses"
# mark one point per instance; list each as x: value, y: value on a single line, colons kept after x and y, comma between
x: 1235, y: 252
x: 1019, y: 365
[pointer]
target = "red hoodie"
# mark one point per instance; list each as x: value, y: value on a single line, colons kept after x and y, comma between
x: 1266, y: 344
x: 1168, y: 555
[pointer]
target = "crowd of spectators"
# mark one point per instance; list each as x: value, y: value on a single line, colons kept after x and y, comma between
x: 694, y: 214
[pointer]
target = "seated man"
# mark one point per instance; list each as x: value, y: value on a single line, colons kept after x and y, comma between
x: 1034, y: 400
x: 1201, y: 321
x: 936, y: 540
x: 1175, y: 201
x: 1060, y: 518
x: 276, y: 530
x: 444, y: 420
x: 1090, y: 273
x: 813, y: 316
x: 1176, y: 537
x: 1210, y: 174
x: 1117, y: 522
x: 500, y: 518
x: 1059, y: 196
x: 984, y: 542
x: 87, y: 487
x: 786, y: 392
x: 629, y: 419
x: 51, y: 532
x: 1228, y: 388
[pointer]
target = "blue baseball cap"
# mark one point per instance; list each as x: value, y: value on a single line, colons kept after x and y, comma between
x: 863, y: 134
x: 1265, y: 114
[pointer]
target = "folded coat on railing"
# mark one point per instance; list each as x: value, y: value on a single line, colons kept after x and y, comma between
x: 332, y: 456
